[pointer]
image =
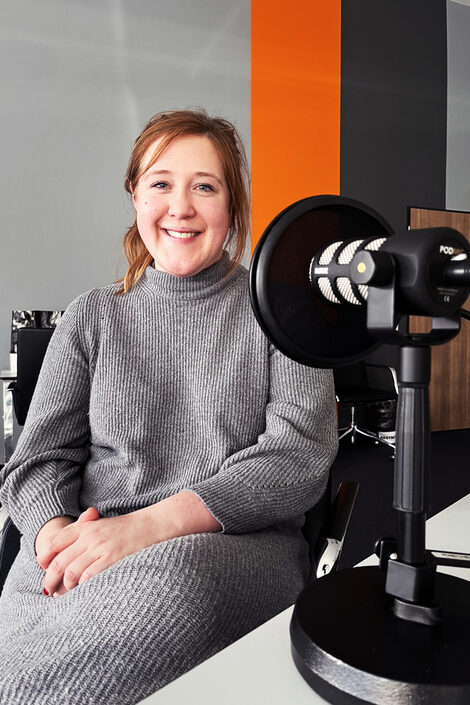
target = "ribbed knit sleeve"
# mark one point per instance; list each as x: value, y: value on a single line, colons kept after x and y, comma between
x: 284, y: 474
x: 42, y: 479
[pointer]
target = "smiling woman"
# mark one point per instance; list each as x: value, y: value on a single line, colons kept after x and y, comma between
x: 169, y: 454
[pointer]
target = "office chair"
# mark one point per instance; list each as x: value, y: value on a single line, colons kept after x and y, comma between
x: 326, y: 525
x: 360, y: 385
x: 10, y: 539
x: 31, y: 348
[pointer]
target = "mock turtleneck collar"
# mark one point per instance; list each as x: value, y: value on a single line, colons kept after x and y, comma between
x: 201, y: 285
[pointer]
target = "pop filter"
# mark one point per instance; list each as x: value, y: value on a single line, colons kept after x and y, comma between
x: 293, y: 315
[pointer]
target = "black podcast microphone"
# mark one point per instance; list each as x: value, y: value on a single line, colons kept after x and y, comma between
x: 408, y: 608
x: 430, y: 267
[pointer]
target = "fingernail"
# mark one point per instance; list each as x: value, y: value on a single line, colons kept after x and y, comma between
x: 45, y: 591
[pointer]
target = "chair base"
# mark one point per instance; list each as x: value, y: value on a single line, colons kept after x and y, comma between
x: 354, y: 430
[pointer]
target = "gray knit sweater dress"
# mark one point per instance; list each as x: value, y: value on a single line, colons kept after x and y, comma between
x: 171, y: 386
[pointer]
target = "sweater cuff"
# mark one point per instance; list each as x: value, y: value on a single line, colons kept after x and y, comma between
x: 240, y: 508
x: 30, y: 520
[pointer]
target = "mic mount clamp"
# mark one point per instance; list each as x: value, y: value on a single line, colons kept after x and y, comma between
x: 412, y: 586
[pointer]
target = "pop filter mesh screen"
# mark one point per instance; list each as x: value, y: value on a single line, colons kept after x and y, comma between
x: 300, y: 322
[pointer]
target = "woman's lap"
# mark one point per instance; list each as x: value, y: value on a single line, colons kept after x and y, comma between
x: 144, y: 621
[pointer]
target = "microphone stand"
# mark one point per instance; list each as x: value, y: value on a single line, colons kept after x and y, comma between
x: 411, y: 569
x: 398, y: 633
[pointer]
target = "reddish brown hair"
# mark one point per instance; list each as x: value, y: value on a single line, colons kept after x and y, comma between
x: 168, y: 127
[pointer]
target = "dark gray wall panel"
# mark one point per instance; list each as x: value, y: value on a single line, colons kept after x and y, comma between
x: 393, y: 104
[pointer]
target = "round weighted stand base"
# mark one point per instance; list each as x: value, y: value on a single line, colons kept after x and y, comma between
x: 350, y: 647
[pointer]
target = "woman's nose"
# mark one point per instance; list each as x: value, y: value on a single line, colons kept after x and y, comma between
x: 180, y: 204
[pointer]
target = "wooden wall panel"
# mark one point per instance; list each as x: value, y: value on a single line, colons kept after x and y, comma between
x: 450, y: 384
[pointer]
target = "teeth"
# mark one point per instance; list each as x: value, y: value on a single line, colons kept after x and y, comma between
x: 181, y: 236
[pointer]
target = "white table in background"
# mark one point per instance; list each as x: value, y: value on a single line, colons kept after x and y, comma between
x: 258, y: 668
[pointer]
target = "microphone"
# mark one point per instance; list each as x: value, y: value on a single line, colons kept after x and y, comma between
x: 430, y: 269
x: 457, y: 271
x: 315, y: 267
x: 330, y: 270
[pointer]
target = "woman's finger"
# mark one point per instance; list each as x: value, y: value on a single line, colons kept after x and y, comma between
x: 56, y: 543
x: 51, y: 527
x: 57, y: 567
x: 75, y: 569
x: 61, y: 590
x: 90, y: 514
x: 48, y: 550
x: 95, y: 568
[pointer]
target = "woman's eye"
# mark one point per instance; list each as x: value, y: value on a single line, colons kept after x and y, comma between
x: 159, y: 185
x: 204, y: 187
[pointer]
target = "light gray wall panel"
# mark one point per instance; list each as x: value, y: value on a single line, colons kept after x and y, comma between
x: 78, y: 81
x: 458, y: 107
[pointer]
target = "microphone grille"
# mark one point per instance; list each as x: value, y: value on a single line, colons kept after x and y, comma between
x: 346, y: 291
x: 364, y: 291
x: 375, y: 244
x: 329, y: 270
x: 349, y: 251
x: 327, y: 254
x: 324, y: 285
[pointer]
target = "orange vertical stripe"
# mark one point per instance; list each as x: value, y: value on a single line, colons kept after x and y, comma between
x: 295, y: 103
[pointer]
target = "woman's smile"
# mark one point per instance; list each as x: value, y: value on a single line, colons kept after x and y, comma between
x: 182, y: 234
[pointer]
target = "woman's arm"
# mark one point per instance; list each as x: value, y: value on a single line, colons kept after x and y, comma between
x: 42, y: 479
x: 284, y: 474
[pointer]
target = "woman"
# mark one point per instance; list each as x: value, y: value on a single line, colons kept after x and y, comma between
x: 170, y: 451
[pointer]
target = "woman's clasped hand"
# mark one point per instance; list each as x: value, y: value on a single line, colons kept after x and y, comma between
x: 72, y: 552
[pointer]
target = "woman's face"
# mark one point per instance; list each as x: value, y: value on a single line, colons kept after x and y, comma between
x: 182, y: 206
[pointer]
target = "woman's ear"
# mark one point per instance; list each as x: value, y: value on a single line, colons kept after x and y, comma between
x: 133, y: 195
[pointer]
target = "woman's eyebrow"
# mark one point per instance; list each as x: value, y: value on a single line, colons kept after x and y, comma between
x: 153, y: 172
x: 208, y: 173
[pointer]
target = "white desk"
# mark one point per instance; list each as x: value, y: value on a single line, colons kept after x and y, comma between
x: 258, y: 668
